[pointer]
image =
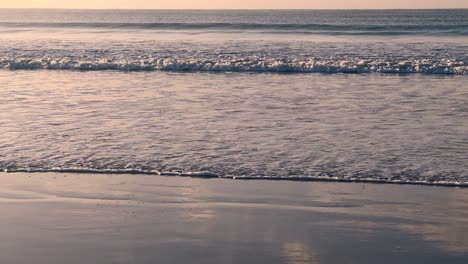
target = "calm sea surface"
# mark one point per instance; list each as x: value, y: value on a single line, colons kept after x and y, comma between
x: 348, y: 95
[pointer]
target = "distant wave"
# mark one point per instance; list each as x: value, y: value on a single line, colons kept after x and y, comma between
x: 244, y: 64
x: 210, y: 175
x: 352, y: 29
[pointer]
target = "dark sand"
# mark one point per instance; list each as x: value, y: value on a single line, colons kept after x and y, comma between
x: 75, y: 218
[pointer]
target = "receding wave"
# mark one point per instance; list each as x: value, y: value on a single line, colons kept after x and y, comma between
x: 244, y: 64
x: 351, y: 29
x: 410, y: 178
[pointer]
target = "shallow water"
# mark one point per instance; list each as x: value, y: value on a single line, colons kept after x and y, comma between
x: 391, y: 128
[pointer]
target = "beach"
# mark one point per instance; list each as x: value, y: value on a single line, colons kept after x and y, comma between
x: 91, y: 218
x: 233, y: 136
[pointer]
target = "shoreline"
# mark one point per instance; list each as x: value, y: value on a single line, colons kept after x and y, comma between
x: 209, y: 175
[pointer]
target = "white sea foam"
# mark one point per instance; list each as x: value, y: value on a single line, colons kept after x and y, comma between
x: 282, y: 41
x: 242, y: 64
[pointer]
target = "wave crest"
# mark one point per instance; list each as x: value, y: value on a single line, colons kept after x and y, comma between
x: 246, y: 64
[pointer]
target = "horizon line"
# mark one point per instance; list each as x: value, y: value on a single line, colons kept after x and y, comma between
x: 235, y: 9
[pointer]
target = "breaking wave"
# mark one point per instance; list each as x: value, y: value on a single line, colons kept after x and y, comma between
x: 245, y: 64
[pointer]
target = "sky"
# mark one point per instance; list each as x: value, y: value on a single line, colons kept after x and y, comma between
x: 235, y: 4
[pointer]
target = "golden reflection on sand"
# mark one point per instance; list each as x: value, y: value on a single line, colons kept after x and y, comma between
x: 451, y: 235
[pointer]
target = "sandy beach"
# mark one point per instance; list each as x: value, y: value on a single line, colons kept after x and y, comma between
x: 87, y: 218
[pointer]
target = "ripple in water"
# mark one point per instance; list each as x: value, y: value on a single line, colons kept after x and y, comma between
x: 372, y: 127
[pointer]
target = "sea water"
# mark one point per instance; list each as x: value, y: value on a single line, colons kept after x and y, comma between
x: 308, y: 95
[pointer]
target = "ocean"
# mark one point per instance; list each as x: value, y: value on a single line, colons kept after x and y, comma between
x: 367, y: 96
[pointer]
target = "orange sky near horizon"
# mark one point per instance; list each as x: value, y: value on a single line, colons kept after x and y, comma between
x: 234, y: 4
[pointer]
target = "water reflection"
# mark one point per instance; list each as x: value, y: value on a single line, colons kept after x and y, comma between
x: 178, y: 220
x: 298, y: 253
x: 450, y: 232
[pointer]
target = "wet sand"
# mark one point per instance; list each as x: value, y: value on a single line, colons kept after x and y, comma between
x: 86, y: 218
